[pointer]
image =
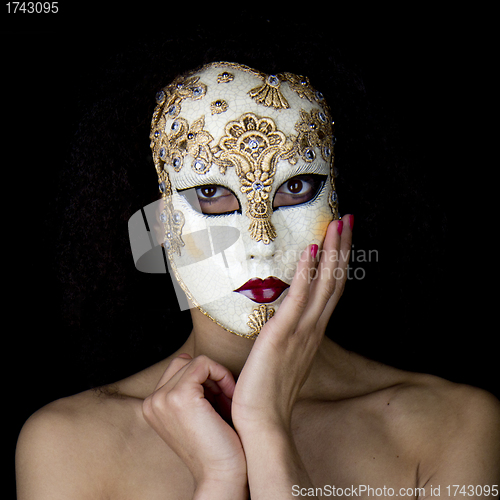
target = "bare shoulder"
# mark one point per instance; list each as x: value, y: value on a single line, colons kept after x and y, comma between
x: 433, y: 401
x: 454, y: 427
x: 68, y: 441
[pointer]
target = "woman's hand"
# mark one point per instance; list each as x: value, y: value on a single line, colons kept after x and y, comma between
x: 279, y: 364
x: 180, y: 410
x: 281, y: 357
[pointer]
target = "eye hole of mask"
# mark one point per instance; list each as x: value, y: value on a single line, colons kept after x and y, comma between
x: 298, y: 190
x: 212, y: 200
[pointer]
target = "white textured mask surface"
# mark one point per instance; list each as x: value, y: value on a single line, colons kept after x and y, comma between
x: 230, y: 126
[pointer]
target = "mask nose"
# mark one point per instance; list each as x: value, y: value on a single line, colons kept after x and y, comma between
x: 261, y: 250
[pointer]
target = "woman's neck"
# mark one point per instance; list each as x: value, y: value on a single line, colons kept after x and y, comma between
x: 332, y: 367
x: 210, y: 339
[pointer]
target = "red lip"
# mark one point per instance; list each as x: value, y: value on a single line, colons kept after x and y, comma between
x: 263, y: 291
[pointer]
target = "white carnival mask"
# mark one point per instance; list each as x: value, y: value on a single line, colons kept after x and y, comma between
x: 245, y: 168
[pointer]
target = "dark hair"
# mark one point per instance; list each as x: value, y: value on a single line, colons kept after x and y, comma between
x: 123, y: 320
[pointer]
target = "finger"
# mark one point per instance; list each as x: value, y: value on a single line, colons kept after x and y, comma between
x: 174, y: 366
x: 292, y: 307
x: 341, y: 270
x: 324, y: 284
x: 215, y: 396
x: 203, y: 370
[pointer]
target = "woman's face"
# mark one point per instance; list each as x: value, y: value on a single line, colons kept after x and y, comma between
x: 245, y: 163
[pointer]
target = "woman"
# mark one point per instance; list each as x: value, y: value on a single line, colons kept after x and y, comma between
x: 258, y: 401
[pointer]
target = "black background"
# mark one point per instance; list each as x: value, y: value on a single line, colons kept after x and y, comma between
x: 413, y: 69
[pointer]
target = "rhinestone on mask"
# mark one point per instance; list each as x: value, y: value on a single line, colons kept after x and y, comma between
x: 177, y: 164
x: 273, y: 80
x: 253, y: 144
x: 309, y: 154
x: 198, y: 91
x: 257, y: 186
x: 160, y: 97
x: 199, y: 166
x: 168, y: 240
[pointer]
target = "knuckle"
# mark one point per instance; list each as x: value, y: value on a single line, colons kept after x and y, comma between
x: 299, y: 299
x: 173, y: 400
x: 202, y: 358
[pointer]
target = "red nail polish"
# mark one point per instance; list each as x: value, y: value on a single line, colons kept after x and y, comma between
x: 351, y: 221
x: 340, y: 226
x: 314, y: 251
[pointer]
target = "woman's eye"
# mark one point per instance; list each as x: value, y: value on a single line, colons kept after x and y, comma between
x: 213, y: 200
x: 298, y: 190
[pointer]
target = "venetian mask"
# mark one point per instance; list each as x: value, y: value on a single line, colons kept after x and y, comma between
x: 245, y: 168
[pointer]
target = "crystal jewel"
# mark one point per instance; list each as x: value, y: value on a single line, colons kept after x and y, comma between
x: 199, y: 165
x: 309, y: 154
x: 273, y: 80
x: 257, y: 186
x: 160, y: 97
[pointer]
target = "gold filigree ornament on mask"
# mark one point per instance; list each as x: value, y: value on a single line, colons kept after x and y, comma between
x: 258, y: 319
x: 269, y: 93
x: 229, y: 116
x: 253, y: 146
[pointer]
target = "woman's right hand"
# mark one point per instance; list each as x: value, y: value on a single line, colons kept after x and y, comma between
x: 181, y: 411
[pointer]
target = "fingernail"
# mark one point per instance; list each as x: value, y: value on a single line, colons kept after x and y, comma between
x: 351, y: 221
x: 314, y: 251
x: 340, y: 226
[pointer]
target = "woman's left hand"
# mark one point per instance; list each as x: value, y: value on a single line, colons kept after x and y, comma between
x: 281, y: 357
